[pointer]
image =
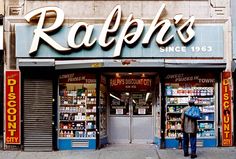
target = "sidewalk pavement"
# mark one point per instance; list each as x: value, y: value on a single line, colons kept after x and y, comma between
x: 123, y: 152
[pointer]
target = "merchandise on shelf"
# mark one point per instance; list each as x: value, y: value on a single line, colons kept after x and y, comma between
x: 177, y: 98
x: 77, y: 112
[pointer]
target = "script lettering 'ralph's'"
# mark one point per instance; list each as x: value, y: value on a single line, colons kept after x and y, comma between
x: 130, y: 32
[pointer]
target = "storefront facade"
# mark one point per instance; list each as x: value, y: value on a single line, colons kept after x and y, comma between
x: 88, y: 82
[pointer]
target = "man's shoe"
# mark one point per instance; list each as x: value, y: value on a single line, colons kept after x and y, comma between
x: 186, y: 155
x: 193, y: 156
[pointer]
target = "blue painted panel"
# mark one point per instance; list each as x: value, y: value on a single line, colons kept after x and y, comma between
x: 173, y: 143
x: 66, y: 144
x: 209, y: 143
x: 206, y: 36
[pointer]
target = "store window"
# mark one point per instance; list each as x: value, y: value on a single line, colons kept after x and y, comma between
x: 179, y: 88
x: 119, y: 103
x: 142, y: 103
x: 77, y: 106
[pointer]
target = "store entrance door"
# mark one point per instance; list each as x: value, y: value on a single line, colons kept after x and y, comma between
x: 131, y: 117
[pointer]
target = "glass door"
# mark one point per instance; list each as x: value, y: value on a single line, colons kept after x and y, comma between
x: 131, y: 117
x: 119, y: 119
x: 142, y: 118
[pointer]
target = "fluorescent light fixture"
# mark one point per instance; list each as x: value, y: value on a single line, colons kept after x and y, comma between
x: 147, y: 95
x: 114, y: 96
x: 127, y: 93
x: 134, y: 101
x: 117, y: 75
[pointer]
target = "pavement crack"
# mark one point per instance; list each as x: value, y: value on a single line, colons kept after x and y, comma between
x: 157, y: 154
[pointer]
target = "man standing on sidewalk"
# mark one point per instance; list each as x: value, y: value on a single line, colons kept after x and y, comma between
x: 189, y: 128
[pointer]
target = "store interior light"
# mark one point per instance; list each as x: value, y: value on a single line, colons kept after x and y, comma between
x: 147, y: 96
x: 130, y: 73
x: 127, y: 93
x: 134, y: 101
x: 143, y: 75
x: 114, y: 96
x: 117, y: 75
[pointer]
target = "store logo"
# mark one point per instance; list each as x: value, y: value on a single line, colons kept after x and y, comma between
x: 129, y: 35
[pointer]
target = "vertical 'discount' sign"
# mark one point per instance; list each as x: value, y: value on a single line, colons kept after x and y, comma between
x: 226, y: 109
x: 12, y: 107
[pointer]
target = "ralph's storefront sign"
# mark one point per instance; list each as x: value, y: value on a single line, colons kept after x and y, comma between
x: 111, y: 26
x: 12, y: 107
x: 226, y: 109
x: 133, y: 38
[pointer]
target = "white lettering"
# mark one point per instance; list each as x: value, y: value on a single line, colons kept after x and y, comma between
x: 116, y: 12
x: 165, y: 26
x: 41, y: 33
x: 111, y: 26
x: 87, y: 36
x: 173, y: 49
x: 129, y: 38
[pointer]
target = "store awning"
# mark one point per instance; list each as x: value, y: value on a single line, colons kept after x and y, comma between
x: 1, y: 37
x: 70, y: 64
x: 124, y: 63
x: 195, y: 63
x: 108, y: 63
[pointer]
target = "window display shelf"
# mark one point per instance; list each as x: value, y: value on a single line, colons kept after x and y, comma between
x: 77, y: 112
x: 179, y: 104
x: 77, y: 138
x: 205, y: 120
x: 72, y: 129
x: 207, y: 112
x: 206, y: 128
x: 71, y: 121
x: 177, y: 99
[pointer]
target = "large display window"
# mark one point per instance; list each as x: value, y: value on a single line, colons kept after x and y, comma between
x: 77, y: 108
x: 179, y: 88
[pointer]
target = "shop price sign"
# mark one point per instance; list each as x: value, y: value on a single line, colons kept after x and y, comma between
x: 226, y: 110
x: 12, y: 107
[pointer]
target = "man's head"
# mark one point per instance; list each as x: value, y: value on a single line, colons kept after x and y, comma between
x: 191, y: 102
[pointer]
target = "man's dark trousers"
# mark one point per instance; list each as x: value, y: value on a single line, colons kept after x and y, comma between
x: 193, y: 141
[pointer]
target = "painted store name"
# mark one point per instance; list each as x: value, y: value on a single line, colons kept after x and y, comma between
x: 130, y: 32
